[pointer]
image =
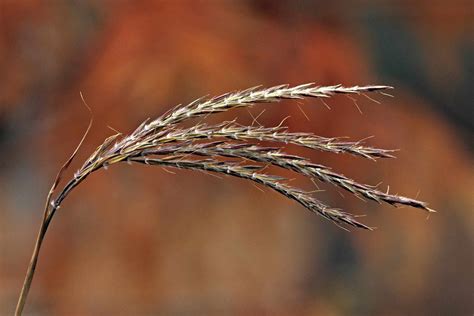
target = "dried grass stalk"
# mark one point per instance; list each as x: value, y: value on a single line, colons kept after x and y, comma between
x: 227, y: 149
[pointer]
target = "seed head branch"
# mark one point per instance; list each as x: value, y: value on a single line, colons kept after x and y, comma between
x: 251, y: 173
x: 278, y: 134
x: 240, y: 99
x: 298, y: 164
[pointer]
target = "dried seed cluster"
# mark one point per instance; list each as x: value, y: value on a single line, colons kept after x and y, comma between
x: 228, y: 147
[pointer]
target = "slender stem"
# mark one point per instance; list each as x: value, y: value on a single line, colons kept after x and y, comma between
x: 47, y: 217
x: 34, y: 260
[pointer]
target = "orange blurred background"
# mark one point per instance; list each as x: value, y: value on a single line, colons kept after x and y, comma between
x: 140, y: 241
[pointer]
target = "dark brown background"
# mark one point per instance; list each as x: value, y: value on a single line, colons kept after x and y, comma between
x: 140, y: 241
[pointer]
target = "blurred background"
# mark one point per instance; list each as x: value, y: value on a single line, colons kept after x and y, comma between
x: 141, y: 241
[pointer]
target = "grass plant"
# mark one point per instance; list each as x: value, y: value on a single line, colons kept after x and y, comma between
x: 231, y: 149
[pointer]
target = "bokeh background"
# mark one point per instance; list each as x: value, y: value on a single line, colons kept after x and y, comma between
x: 141, y: 241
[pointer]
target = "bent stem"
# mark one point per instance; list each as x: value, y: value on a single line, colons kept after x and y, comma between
x: 47, y: 217
x: 34, y: 260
